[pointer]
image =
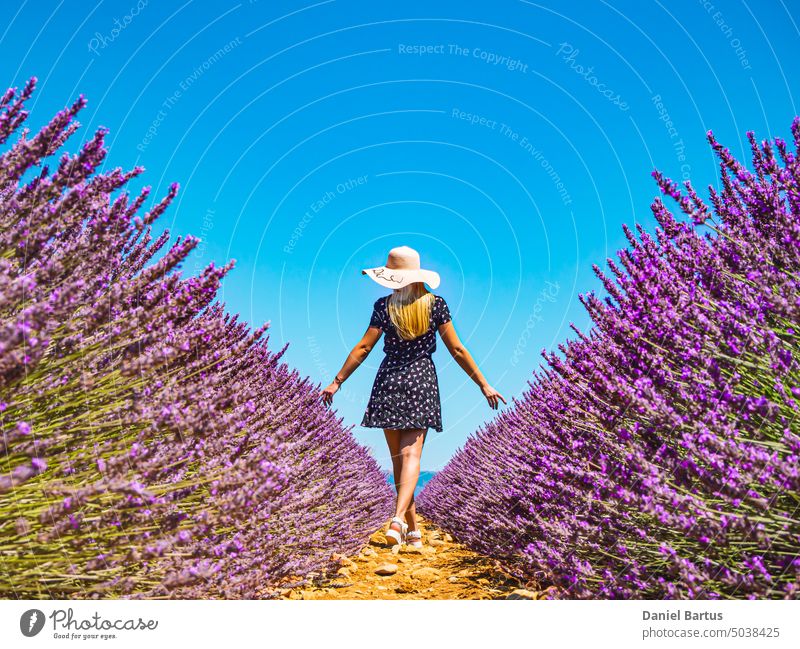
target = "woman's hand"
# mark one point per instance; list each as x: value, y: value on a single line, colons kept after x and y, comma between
x: 327, y: 393
x: 492, y: 396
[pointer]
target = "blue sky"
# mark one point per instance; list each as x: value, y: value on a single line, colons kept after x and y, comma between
x: 507, y: 142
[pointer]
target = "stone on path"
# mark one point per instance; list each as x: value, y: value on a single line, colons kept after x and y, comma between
x: 436, y: 542
x: 426, y: 574
x: 521, y: 593
x: 386, y: 569
x: 411, y: 549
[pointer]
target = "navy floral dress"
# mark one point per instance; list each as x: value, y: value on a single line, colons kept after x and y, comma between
x: 406, y: 389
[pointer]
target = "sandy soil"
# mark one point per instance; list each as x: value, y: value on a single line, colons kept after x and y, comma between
x: 442, y: 569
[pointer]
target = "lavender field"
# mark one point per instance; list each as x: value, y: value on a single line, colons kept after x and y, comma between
x: 152, y: 444
x: 658, y: 454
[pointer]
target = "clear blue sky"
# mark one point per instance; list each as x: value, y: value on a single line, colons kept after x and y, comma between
x: 506, y: 141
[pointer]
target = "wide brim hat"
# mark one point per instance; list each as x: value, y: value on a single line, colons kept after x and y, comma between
x: 401, y: 269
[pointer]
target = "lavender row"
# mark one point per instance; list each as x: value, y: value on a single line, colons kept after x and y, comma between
x: 152, y: 445
x: 658, y: 455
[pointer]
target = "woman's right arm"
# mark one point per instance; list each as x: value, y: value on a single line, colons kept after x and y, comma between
x: 464, y: 359
x: 351, y: 363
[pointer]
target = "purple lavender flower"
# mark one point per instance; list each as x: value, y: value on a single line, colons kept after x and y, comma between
x: 658, y: 455
x: 171, y: 430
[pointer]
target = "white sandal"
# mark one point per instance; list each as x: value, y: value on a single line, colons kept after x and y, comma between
x: 414, y: 538
x: 393, y: 537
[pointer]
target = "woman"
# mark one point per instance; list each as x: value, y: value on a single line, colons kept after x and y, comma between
x: 405, y: 396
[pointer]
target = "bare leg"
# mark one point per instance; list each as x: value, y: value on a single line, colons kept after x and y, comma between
x: 393, y: 441
x: 393, y: 438
x: 411, y: 515
x: 411, y: 443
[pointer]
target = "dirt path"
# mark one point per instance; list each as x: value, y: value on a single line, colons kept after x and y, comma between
x: 442, y: 569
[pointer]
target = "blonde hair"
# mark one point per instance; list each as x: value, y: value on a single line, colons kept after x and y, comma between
x: 410, y: 310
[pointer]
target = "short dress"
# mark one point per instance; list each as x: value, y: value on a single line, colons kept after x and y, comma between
x: 405, y: 393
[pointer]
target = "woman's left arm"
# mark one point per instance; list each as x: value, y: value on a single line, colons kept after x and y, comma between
x: 464, y: 359
x: 351, y: 363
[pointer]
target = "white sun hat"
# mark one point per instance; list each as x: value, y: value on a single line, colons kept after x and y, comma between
x: 401, y: 269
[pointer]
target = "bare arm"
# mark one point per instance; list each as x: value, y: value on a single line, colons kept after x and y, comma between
x: 464, y: 359
x: 353, y: 360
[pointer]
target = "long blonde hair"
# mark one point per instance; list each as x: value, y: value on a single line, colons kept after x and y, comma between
x: 410, y: 310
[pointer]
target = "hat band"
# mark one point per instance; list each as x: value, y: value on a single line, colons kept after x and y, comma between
x: 381, y: 272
